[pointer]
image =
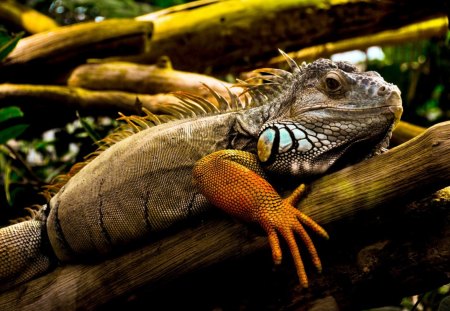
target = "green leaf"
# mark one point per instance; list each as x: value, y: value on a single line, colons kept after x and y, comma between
x: 89, y: 129
x: 12, y: 132
x: 7, y: 182
x: 7, y: 47
x: 10, y: 113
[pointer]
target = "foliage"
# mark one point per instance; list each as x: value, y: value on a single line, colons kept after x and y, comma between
x: 29, y: 164
x: 11, y: 131
x: 7, y: 132
x: 8, y: 43
x: 73, y: 11
x: 433, y: 300
x: 11, y: 125
x: 422, y: 71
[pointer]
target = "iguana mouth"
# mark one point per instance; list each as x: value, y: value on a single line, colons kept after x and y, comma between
x: 394, y: 99
x: 393, y: 102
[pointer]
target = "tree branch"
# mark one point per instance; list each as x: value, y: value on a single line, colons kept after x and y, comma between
x: 379, y: 185
x: 218, y: 35
x: 50, y: 53
x: 25, y: 18
x: 405, y: 131
x: 433, y: 28
x: 145, y: 79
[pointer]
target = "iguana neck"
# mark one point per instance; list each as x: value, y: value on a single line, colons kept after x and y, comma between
x: 248, y: 124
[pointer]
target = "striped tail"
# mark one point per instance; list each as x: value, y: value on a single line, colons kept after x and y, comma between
x: 24, y: 253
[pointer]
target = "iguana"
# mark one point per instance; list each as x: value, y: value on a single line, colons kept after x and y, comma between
x: 298, y: 124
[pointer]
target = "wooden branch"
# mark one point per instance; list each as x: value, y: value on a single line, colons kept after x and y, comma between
x: 433, y: 28
x: 217, y: 35
x: 63, y: 101
x: 36, y: 101
x: 72, y: 45
x: 390, y: 178
x: 32, y: 98
x: 412, y: 170
x: 145, y: 79
x: 25, y: 18
x: 404, y: 132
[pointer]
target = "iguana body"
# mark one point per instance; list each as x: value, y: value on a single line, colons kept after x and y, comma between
x: 309, y: 119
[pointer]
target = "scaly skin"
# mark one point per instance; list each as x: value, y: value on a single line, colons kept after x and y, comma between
x: 301, y: 123
x: 233, y: 181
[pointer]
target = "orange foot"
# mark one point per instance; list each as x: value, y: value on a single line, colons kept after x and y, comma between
x: 233, y: 181
x: 286, y: 220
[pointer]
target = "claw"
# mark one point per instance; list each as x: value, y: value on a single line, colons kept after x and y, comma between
x: 229, y: 180
x: 275, y: 246
x: 295, y: 195
x: 286, y: 220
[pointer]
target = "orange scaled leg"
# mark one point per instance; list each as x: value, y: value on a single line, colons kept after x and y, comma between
x: 233, y: 181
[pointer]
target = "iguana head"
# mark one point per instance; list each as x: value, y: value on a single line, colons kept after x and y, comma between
x: 332, y: 113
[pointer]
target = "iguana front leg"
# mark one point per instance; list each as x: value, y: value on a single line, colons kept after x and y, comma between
x: 234, y: 181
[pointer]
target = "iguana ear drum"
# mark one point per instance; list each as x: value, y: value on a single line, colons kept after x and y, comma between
x: 267, y: 143
x: 272, y: 141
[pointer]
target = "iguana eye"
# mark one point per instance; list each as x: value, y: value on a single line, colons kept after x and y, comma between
x: 332, y: 82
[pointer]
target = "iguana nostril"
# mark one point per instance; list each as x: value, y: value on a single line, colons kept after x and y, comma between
x: 382, y: 91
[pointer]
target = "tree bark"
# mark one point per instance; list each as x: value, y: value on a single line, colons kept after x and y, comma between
x: 36, y: 100
x: 43, y: 56
x: 404, y: 132
x: 218, y: 35
x: 33, y: 98
x: 145, y: 79
x: 25, y: 18
x: 433, y: 28
x: 377, y: 244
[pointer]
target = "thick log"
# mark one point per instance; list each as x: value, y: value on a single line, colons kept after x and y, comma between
x: 423, y: 160
x: 23, y: 17
x: 32, y: 98
x: 404, y: 132
x: 370, y: 189
x: 216, y: 35
x: 68, y: 46
x: 145, y: 79
x: 433, y: 28
x: 37, y: 100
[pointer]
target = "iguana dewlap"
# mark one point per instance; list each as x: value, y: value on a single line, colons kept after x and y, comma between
x: 302, y: 123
